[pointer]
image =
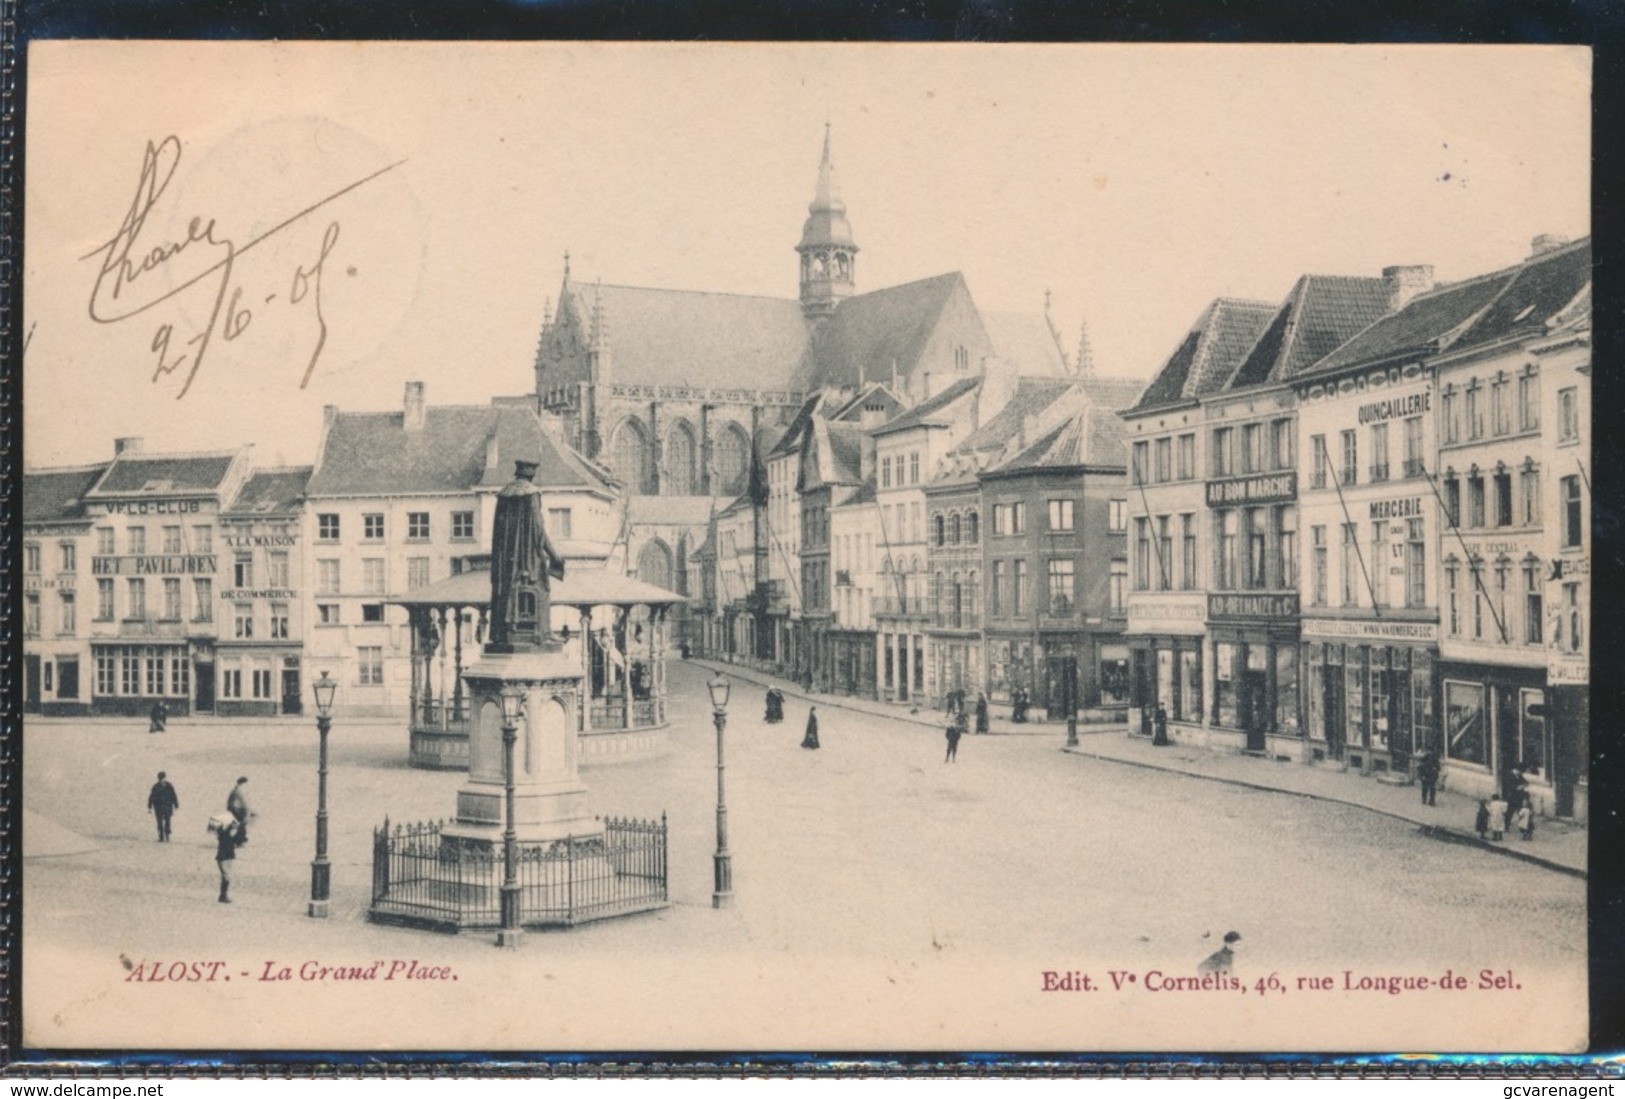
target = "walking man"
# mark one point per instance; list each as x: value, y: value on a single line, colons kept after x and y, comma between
x: 1427, y: 773
x: 953, y: 742
x: 162, y: 803
x: 237, y: 806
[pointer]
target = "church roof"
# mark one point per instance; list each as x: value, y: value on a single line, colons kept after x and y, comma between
x: 366, y: 453
x: 1025, y: 340
x: 697, y: 338
x: 271, y: 491
x: 1320, y: 314
x: 870, y: 333
x: 1209, y: 353
x: 57, y: 495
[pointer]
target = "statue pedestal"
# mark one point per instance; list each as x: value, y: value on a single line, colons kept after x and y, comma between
x: 549, y: 797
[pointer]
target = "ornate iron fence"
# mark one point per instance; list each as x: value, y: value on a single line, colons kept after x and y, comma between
x: 423, y: 877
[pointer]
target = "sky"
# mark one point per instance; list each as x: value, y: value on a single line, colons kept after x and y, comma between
x: 1132, y: 183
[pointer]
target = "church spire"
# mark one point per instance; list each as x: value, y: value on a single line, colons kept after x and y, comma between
x: 828, y: 252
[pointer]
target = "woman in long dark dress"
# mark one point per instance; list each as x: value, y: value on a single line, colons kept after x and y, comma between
x: 981, y: 711
x: 811, y: 739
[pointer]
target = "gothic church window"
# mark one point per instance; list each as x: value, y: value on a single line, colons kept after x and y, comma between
x: 679, y: 479
x: 733, y: 454
x: 630, y: 456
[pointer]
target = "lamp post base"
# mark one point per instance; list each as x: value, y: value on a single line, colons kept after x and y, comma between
x: 509, y: 938
x: 722, y: 900
x: 317, y: 910
x: 1071, y: 732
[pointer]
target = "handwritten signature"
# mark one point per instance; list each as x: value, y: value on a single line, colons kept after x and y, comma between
x: 125, y: 287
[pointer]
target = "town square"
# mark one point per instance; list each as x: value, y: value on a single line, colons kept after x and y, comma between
x: 881, y: 570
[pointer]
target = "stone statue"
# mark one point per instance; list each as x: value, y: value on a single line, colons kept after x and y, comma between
x: 523, y: 562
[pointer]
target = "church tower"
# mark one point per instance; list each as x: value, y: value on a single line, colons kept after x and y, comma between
x: 828, y: 254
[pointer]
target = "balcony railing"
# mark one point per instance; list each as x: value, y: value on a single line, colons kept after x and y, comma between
x: 1379, y: 472
x: 1414, y: 467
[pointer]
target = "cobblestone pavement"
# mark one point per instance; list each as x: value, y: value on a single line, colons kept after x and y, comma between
x: 1557, y: 845
x: 885, y: 899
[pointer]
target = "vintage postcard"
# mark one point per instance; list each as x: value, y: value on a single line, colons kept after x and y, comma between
x: 768, y: 547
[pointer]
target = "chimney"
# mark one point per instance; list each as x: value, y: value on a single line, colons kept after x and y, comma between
x: 1406, y: 282
x: 491, y: 458
x: 925, y: 387
x: 414, y: 406
x: 130, y: 444
x: 1546, y: 242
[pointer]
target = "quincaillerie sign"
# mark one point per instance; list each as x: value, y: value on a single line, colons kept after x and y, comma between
x: 1266, y: 488
x: 1222, y: 606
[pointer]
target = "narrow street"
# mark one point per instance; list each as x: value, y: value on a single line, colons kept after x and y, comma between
x: 874, y: 882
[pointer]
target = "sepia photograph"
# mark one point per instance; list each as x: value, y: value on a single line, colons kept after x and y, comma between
x: 765, y: 547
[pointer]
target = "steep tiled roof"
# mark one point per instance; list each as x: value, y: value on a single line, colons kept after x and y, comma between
x: 929, y: 412
x: 270, y: 491
x: 790, y: 441
x: 1321, y: 314
x: 373, y: 452
x: 1031, y: 396
x: 1542, y: 287
x: 688, y: 337
x: 1026, y: 341
x: 845, y: 454
x: 176, y: 472
x: 1090, y: 436
x: 868, y: 333
x: 57, y: 495
x: 1419, y: 327
x: 1209, y: 353
x: 1112, y: 394
x: 873, y: 393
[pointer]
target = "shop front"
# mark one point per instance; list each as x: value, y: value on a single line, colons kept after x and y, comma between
x: 1496, y: 726
x: 1165, y: 651
x: 1370, y: 688
x: 1256, y: 703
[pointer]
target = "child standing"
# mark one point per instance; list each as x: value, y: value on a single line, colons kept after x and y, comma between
x: 1481, y: 823
x: 1498, y: 818
x: 1524, y: 821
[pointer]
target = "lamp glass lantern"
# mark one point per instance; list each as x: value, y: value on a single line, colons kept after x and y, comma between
x: 720, y: 689
x: 513, y: 704
x: 324, y: 689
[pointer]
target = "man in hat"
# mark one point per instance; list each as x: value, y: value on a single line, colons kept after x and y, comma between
x: 237, y: 806
x: 1222, y: 960
x: 162, y: 803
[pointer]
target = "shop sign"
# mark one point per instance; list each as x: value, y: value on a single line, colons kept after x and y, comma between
x: 247, y: 541
x: 1425, y: 632
x: 1149, y: 616
x: 1568, y: 567
x: 154, y: 507
x: 1227, y: 605
x: 1569, y: 670
x: 239, y: 594
x: 143, y: 566
x: 1396, y: 408
x: 1405, y: 508
x: 1265, y: 488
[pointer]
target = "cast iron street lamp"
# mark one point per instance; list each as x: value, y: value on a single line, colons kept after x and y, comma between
x: 320, y: 876
x: 513, y: 701
x: 722, y: 896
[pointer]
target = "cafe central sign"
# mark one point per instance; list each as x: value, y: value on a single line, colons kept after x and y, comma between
x: 1265, y: 488
x: 150, y: 566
